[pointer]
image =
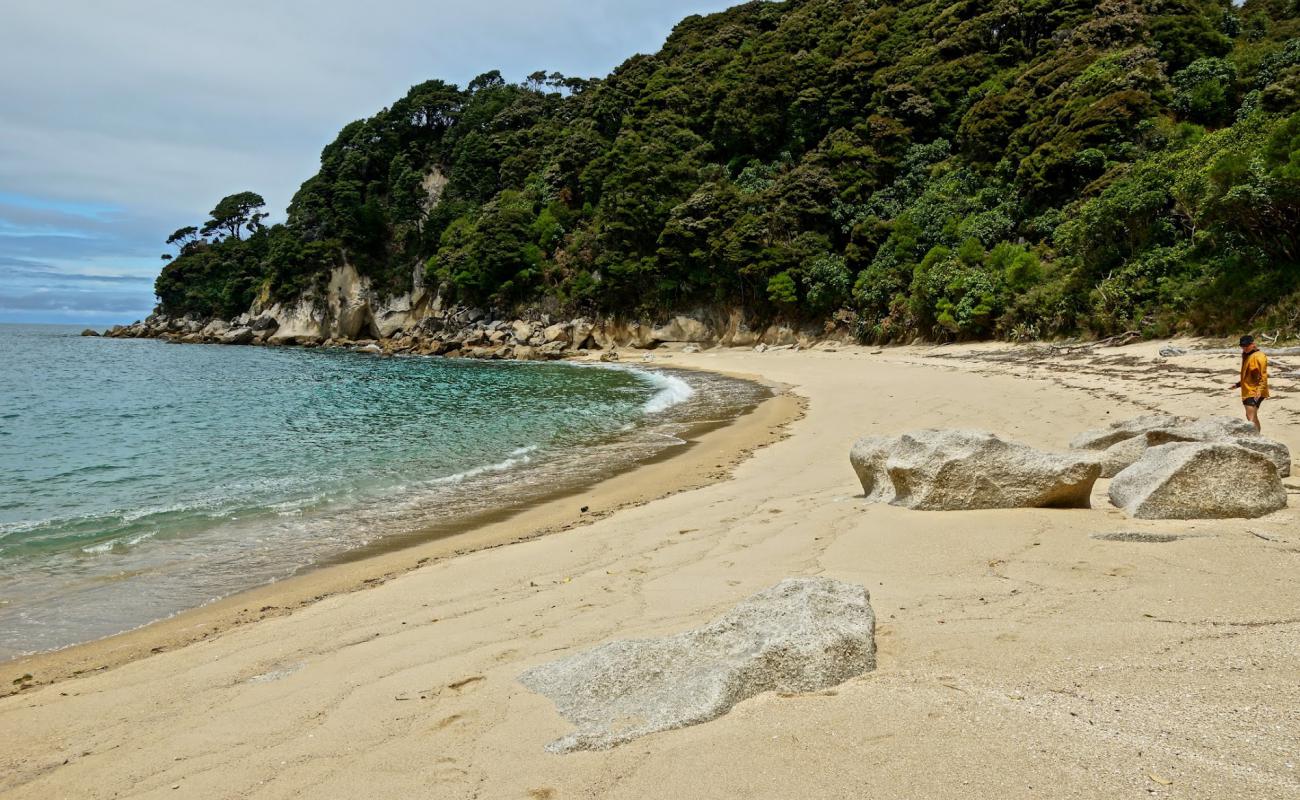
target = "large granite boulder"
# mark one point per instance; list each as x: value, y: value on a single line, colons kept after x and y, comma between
x: 802, y: 635
x: 1121, y: 430
x: 1125, y: 442
x: 1199, y: 480
x: 949, y: 470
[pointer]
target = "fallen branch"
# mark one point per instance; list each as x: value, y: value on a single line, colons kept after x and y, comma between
x: 1121, y: 339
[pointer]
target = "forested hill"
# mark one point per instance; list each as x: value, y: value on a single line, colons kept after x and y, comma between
x: 949, y: 169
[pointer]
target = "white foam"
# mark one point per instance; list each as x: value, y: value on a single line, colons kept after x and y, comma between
x: 521, y: 455
x: 672, y: 391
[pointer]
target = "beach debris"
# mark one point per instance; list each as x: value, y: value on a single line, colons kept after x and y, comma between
x: 1123, y: 443
x: 801, y: 635
x: 1199, y: 480
x: 949, y: 470
x: 1143, y: 538
x: 1170, y: 351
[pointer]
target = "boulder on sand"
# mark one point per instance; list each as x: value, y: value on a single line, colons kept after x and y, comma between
x: 1121, y: 430
x: 802, y: 635
x: 1199, y: 480
x: 1138, y: 435
x: 950, y: 470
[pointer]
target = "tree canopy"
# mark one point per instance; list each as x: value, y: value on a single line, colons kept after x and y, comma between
x: 919, y: 167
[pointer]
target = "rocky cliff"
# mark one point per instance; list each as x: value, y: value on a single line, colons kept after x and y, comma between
x: 349, y: 311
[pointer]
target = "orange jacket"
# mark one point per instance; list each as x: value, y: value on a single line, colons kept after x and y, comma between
x: 1254, y: 375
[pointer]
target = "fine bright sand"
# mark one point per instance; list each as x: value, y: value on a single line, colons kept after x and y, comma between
x: 1019, y: 656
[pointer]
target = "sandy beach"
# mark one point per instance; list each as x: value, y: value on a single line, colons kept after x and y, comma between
x: 1018, y: 654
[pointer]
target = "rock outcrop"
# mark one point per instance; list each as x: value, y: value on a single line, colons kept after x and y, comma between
x: 1130, y: 439
x: 802, y: 635
x: 347, y: 309
x: 1199, y: 480
x: 949, y: 470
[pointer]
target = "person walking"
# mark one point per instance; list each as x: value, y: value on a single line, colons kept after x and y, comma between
x: 1254, y: 379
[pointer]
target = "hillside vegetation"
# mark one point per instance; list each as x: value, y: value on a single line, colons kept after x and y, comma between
x: 981, y: 168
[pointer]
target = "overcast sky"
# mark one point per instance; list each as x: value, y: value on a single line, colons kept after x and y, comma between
x: 123, y: 121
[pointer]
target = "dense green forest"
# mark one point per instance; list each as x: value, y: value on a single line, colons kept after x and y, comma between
x: 978, y: 168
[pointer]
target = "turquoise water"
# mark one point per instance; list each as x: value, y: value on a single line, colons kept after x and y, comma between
x: 138, y: 479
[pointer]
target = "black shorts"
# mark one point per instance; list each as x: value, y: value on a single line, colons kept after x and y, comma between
x: 1254, y: 402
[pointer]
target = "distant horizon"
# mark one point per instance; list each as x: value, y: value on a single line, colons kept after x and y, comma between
x: 104, y: 152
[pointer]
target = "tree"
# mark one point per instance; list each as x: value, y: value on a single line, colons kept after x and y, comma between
x: 234, y: 213
x: 183, y: 237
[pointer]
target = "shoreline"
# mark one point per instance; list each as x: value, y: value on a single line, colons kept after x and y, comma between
x: 710, y: 451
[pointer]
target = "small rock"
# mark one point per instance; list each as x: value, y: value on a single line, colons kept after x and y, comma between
x: 89, y: 332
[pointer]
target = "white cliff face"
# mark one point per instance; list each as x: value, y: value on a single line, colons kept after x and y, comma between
x: 349, y: 309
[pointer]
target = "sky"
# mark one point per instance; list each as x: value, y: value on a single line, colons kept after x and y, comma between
x: 123, y: 121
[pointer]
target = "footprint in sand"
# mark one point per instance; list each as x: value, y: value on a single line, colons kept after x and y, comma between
x: 460, y: 686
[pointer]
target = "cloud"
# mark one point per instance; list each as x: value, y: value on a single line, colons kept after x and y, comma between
x: 124, y: 121
x: 74, y: 300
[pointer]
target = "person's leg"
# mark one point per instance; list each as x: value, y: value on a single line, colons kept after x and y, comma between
x: 1252, y: 416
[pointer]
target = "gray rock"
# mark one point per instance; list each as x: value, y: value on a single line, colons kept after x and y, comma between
x: 581, y: 333
x: 949, y: 470
x: 1124, y: 429
x: 265, y: 322
x: 682, y: 328
x: 1199, y: 480
x: 522, y: 331
x: 802, y: 635
x: 216, y: 329
x: 609, y: 356
x: 1226, y: 430
x: 237, y: 336
x: 559, y: 332
x: 1171, y: 351
x: 89, y: 332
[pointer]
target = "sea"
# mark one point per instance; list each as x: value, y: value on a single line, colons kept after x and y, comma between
x: 139, y: 479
